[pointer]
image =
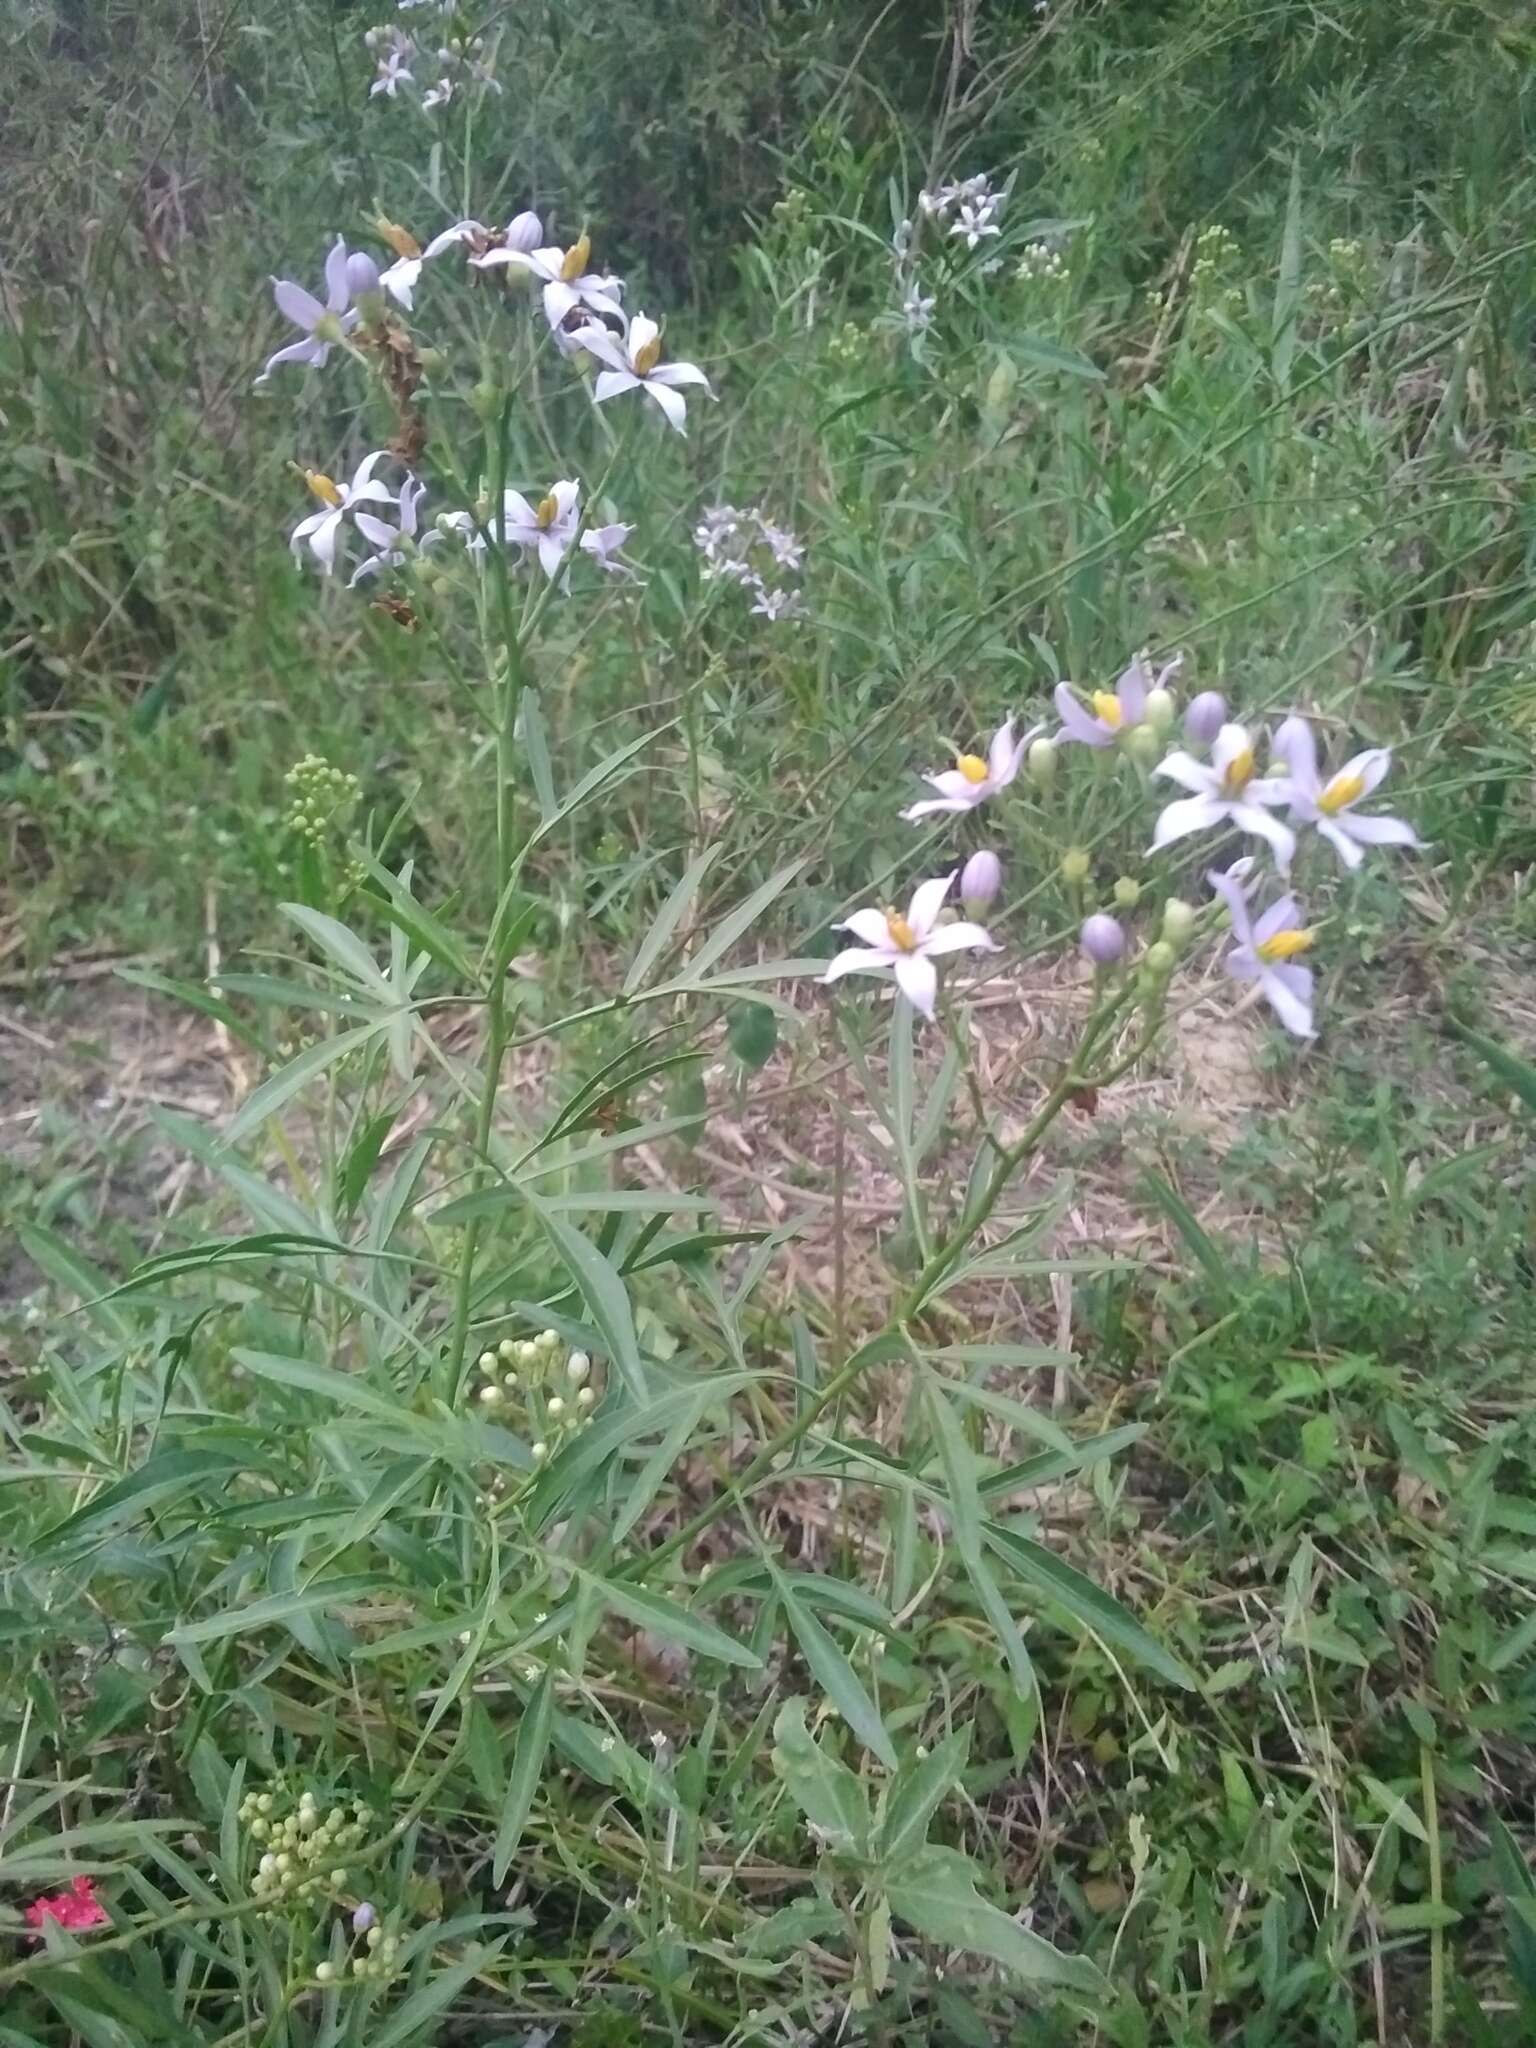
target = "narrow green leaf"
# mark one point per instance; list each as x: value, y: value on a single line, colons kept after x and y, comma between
x: 1088, y: 1604
x: 406, y: 2023
x: 605, y: 1295
x: 836, y: 1676
x: 163, y: 1478
x: 915, y: 1795
x: 282, y: 1607
x: 654, y: 1611
x: 278, y: 1088
x: 535, y: 732
x: 668, y: 918
x: 338, y: 1389
x: 527, y: 1768
x: 740, y: 920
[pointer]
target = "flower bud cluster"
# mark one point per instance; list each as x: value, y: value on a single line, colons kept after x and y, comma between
x: 322, y: 798
x: 553, y: 1392
x: 302, y: 1848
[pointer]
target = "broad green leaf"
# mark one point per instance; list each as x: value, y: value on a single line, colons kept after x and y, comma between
x: 935, y: 1893
x: 1096, y: 1610
x: 825, y: 1790
x: 753, y: 1034
x: 665, y: 1617
x: 916, y: 1793
x: 523, y: 1781
x: 836, y: 1676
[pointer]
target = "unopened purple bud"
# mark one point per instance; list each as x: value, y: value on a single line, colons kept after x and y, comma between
x: 1102, y: 939
x: 1204, y: 717
x: 980, y: 880
x: 363, y: 1918
x: 362, y: 274
x: 525, y: 233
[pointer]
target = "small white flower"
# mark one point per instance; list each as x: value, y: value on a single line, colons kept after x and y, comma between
x: 974, y: 222
x: 634, y: 364
x: 777, y: 604
x: 604, y: 545
x: 563, y: 273
x: 393, y: 73
x: 1330, y: 805
x: 1266, y: 951
x: 437, y: 96
x: 547, y: 529
x: 321, y: 531
x: 917, y: 311
x: 788, y: 552
x: 1226, y: 792
x: 908, y: 946
x: 394, y: 545
x: 972, y: 780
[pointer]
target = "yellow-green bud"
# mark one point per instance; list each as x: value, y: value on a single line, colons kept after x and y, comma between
x: 325, y: 1973
x: 1143, y: 745
x: 431, y: 360
x: 1178, y: 921
x: 1160, y: 960
x: 485, y: 399
x: 491, y: 1397
x: 1041, y: 763
x: 1159, y: 712
x: 1075, y: 866
x: 1127, y: 893
x: 507, y: 1350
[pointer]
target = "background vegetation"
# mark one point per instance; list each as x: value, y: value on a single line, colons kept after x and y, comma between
x: 1271, y: 407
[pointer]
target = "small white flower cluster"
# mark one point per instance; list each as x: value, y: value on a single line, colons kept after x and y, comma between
x: 730, y: 536
x: 461, y: 63
x: 974, y: 204
x: 1041, y: 264
x: 302, y: 1850
x: 1226, y: 791
x: 555, y: 1399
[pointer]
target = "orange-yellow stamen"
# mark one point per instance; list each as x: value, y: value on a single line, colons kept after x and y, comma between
x: 1284, y: 945
x: 647, y: 356
x: 1107, y: 705
x: 1343, y: 791
x: 972, y: 767
x: 902, y: 934
x: 546, y: 512
x: 400, y: 239
x: 1238, y: 772
x: 322, y: 486
x: 574, y: 263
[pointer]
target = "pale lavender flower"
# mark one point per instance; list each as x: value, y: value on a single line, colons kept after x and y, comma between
x: 972, y: 780
x: 980, y: 880
x: 1330, y: 804
x: 563, y: 274
x: 393, y: 73
x: 1204, y: 717
x: 394, y: 545
x: 363, y: 1918
x: 788, y: 552
x: 1266, y: 951
x: 437, y: 96
x: 1114, y: 712
x: 917, y: 311
x: 321, y: 531
x: 1102, y: 939
x: 321, y: 326
x: 1228, y: 791
x: 362, y: 274
x: 974, y: 222
x: 938, y: 202
x: 547, y: 529
x: 604, y: 545
x: 908, y: 946
x: 775, y: 604
x: 634, y: 364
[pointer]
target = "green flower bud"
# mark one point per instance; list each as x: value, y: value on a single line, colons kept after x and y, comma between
x: 1075, y: 867
x: 432, y: 360
x: 1127, y: 893
x: 1178, y: 921
x: 1160, y: 960
x: 1041, y: 763
x: 1160, y: 711
x: 325, y: 1973
x: 1143, y: 745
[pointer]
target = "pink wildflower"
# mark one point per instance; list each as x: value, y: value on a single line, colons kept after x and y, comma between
x: 76, y: 1909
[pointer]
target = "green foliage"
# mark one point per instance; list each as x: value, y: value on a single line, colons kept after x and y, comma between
x: 673, y: 1642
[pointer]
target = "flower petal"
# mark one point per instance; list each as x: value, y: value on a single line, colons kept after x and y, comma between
x: 869, y: 926
x: 1371, y: 767
x: 959, y: 937
x: 296, y: 352
x: 1288, y: 991
x: 1381, y: 831
x: 1001, y: 762
x: 1229, y: 743
x: 642, y: 332
x: 918, y: 980
x: 376, y: 530
x: 678, y: 373
x: 296, y: 304
x: 1075, y: 721
x: 1188, y: 814
x: 459, y: 232
x: 856, y: 960
x: 1265, y: 825
x: 674, y: 407
x: 1342, y: 841
x: 1283, y: 915
x: 1295, y: 745
x: 1229, y: 887
x: 336, y: 293
x: 1131, y: 689
x: 1187, y: 772
x: 609, y: 383
x: 927, y: 901
x: 933, y: 806
x: 323, y: 541
x: 598, y: 341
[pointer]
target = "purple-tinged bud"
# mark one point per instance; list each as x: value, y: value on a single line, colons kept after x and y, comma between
x: 363, y: 1918
x: 525, y: 233
x: 362, y: 274
x: 1102, y: 939
x: 1204, y: 717
x: 980, y: 880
